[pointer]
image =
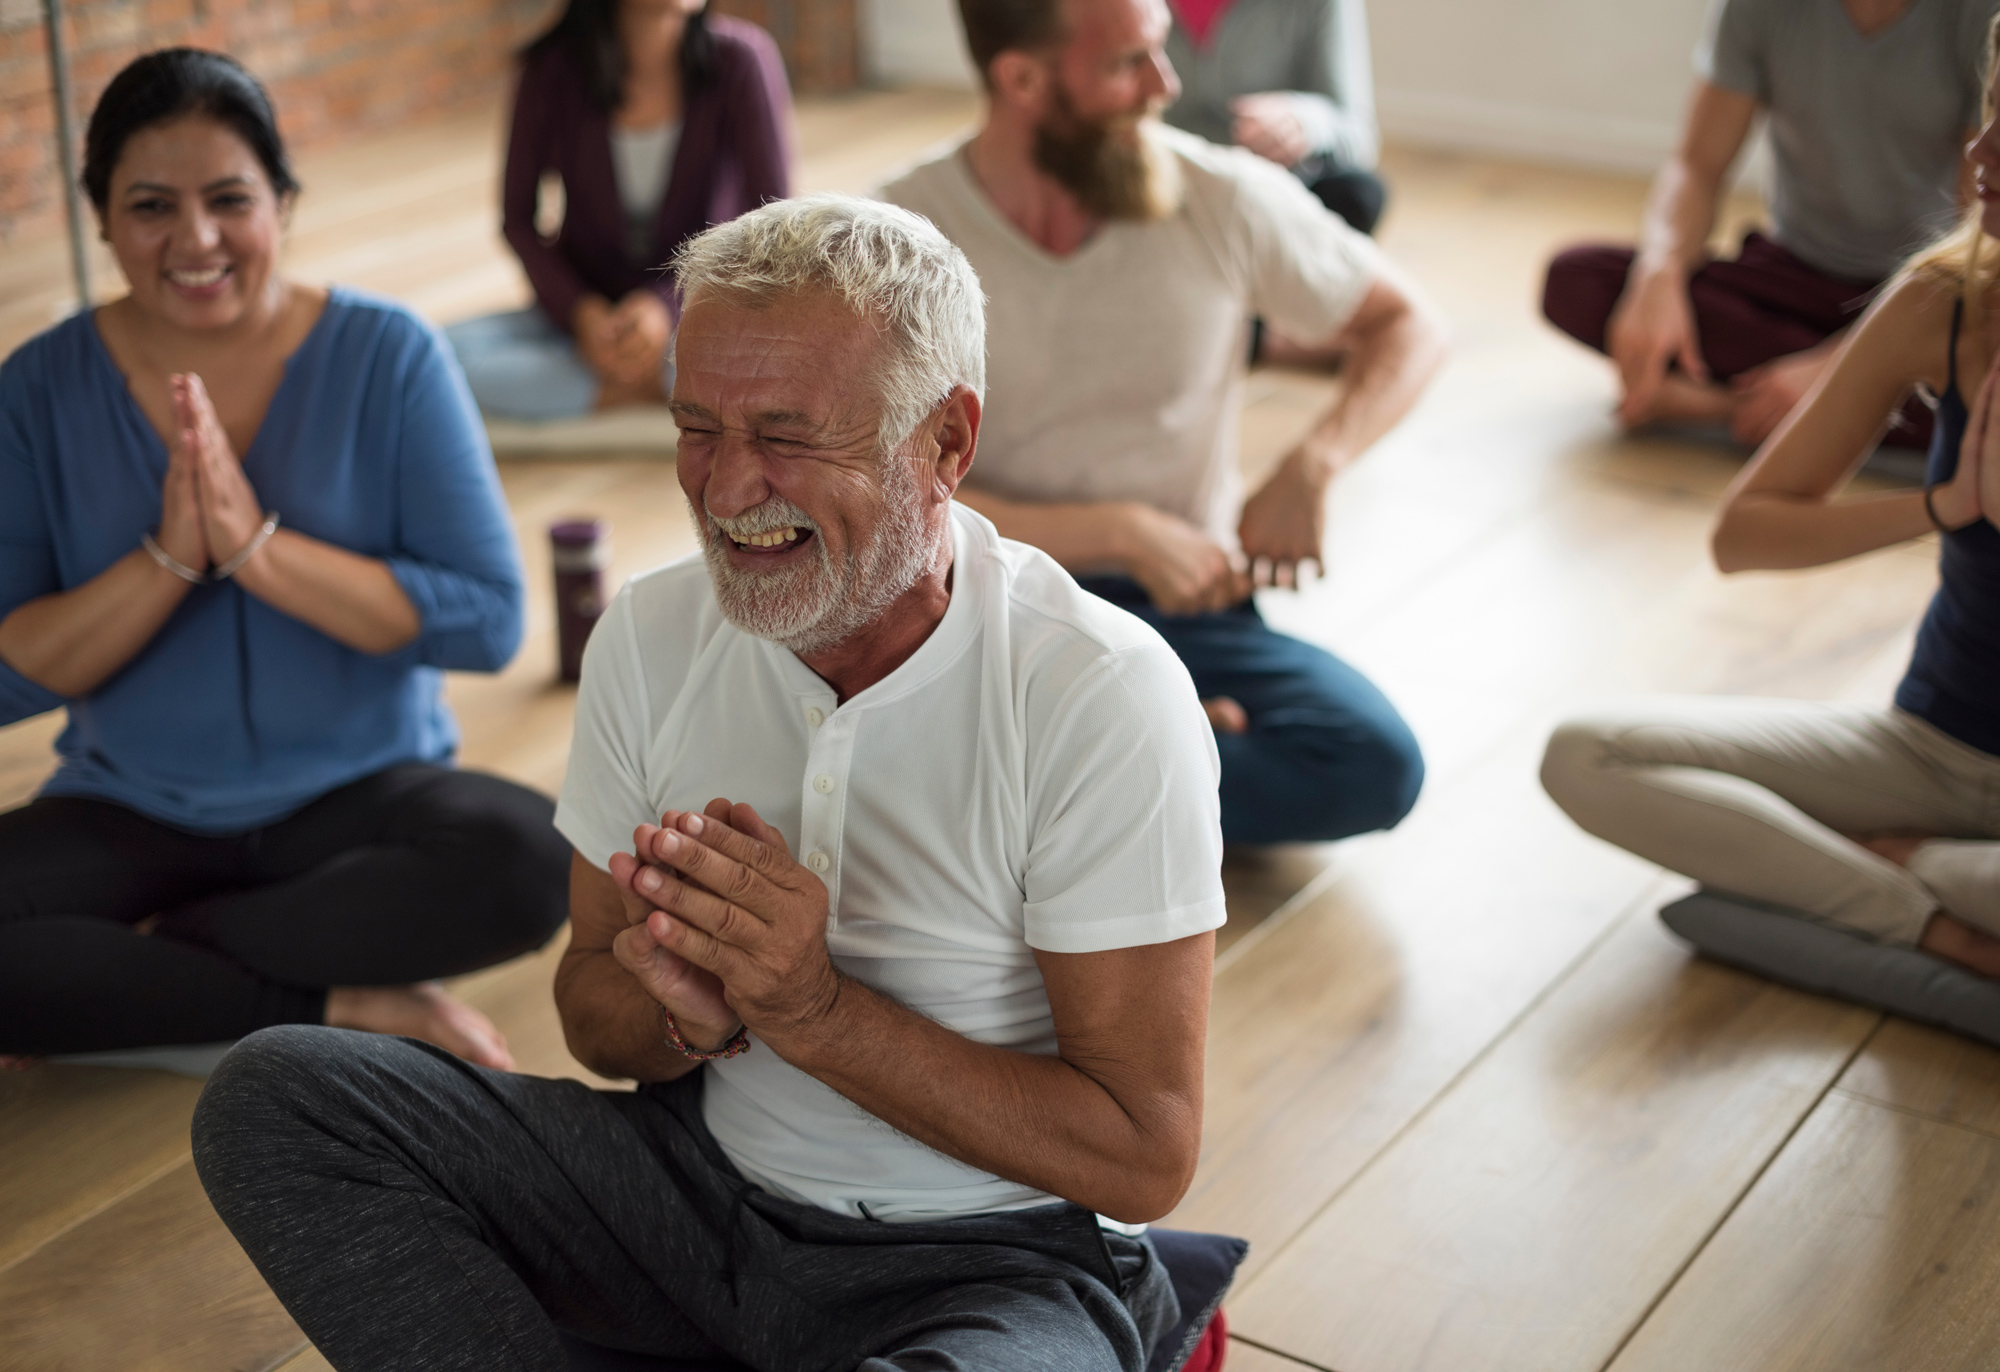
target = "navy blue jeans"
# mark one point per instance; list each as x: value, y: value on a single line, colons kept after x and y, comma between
x: 1326, y: 754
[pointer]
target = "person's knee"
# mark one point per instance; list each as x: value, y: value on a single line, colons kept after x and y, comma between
x: 1573, y: 761
x: 1581, y: 289
x: 518, y: 863
x: 1396, y: 764
x: 251, y: 1096
x: 1363, y: 778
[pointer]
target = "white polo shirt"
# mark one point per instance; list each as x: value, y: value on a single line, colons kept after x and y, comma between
x: 1038, y: 775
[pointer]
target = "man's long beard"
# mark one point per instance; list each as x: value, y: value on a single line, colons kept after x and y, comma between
x: 815, y: 605
x: 1110, y: 165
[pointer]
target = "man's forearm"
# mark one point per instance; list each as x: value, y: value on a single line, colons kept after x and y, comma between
x: 609, y: 1022
x: 1084, y: 538
x: 1680, y: 212
x: 1031, y: 1118
x: 1386, y: 370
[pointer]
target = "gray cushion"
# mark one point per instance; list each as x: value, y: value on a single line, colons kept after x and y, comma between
x: 1787, y: 946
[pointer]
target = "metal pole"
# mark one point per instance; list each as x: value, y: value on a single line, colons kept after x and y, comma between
x: 66, y: 140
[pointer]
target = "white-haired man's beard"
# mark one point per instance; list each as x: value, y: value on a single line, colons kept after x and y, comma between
x: 1111, y: 165
x: 816, y: 603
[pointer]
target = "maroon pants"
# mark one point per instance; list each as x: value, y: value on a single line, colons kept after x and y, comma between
x: 1764, y: 303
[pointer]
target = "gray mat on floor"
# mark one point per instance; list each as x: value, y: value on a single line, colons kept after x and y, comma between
x: 186, y: 1059
x: 645, y: 431
x: 1788, y: 947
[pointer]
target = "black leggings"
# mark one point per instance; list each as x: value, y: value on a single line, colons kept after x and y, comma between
x: 414, y: 873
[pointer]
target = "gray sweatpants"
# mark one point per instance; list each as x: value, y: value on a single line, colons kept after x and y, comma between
x: 414, y: 1211
x: 1760, y: 798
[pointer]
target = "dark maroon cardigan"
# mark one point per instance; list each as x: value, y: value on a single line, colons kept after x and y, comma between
x: 734, y: 154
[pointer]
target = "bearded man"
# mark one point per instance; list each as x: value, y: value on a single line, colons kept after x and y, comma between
x: 1123, y: 260
x: 903, y: 1095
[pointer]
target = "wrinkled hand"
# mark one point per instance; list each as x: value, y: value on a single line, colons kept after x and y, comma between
x: 1184, y: 570
x: 728, y: 900
x: 1284, y: 524
x: 1268, y: 124
x: 1766, y: 394
x: 1651, y: 328
x: 230, y: 512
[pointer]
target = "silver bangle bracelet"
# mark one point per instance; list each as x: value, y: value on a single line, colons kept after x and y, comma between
x: 249, y: 550
x: 169, y: 561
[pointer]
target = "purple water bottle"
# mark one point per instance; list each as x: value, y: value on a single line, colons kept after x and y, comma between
x: 579, y: 550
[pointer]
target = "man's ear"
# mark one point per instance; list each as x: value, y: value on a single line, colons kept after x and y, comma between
x: 1020, y: 81
x: 955, y: 432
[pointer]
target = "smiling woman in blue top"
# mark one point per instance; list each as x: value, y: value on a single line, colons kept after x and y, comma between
x: 244, y: 526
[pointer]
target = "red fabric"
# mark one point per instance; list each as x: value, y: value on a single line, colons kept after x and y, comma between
x: 1199, y: 18
x: 1214, y: 1346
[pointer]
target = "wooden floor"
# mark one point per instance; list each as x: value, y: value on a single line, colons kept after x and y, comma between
x: 1473, y: 1107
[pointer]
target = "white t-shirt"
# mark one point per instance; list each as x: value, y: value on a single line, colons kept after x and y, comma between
x: 1038, y: 775
x: 1116, y: 373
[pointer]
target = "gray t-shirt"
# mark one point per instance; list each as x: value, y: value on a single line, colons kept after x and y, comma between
x: 1314, y: 50
x: 1867, y: 134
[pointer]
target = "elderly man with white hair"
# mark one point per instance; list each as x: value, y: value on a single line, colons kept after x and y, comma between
x: 894, y: 888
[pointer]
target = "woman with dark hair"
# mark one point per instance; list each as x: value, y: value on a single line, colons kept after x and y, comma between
x: 245, y: 526
x: 660, y: 120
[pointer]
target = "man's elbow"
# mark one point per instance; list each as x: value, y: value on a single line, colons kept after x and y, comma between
x: 1150, y: 1193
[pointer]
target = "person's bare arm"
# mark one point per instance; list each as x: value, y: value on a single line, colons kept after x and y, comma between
x: 71, y: 642
x: 1652, y: 325
x: 1112, y: 1122
x: 1181, y: 568
x: 1783, y: 510
x: 1387, y: 353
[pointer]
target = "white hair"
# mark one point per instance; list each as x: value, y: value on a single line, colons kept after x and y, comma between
x: 889, y: 265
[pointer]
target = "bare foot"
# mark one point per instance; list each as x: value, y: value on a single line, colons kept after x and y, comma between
x: 1956, y: 941
x: 1897, y: 846
x: 424, y: 1011
x: 1683, y: 401
x: 1225, y: 716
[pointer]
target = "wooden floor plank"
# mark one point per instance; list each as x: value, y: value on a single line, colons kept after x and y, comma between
x: 75, y: 1139
x: 1929, y: 1072
x: 1243, y: 1357
x: 1531, y: 1217
x: 155, y: 1285
x: 1867, y: 1247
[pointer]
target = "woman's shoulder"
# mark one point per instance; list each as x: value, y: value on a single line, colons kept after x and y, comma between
x: 62, y: 349
x: 1909, y: 325
x: 740, y: 44
x: 356, y: 319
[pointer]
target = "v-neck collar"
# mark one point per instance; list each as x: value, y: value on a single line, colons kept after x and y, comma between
x: 960, y: 163
x: 135, y: 413
x: 1871, y: 39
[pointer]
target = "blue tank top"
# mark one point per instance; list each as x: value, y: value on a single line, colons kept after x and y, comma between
x: 1954, y: 676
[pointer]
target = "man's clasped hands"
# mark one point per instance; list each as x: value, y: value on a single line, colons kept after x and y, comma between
x: 724, y: 928
x: 208, y: 510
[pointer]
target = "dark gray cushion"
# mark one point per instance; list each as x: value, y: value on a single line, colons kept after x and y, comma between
x: 1201, y: 1267
x: 1787, y: 946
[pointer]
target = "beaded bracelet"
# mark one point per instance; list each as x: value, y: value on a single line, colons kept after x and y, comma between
x: 739, y: 1042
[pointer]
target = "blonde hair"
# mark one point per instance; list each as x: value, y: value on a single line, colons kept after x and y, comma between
x: 1962, y: 258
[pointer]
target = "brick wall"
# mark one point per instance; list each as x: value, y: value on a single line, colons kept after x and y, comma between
x: 333, y: 66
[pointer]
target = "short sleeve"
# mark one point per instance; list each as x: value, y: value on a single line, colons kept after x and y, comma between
x: 27, y: 554
x: 1308, y: 270
x: 604, y: 794
x: 1125, y: 844
x: 1730, y: 54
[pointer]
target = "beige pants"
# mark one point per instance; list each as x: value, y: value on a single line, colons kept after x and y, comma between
x: 1758, y: 797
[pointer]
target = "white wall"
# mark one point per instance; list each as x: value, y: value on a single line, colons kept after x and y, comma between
x: 914, y: 43
x: 1592, y: 82
x: 1597, y: 82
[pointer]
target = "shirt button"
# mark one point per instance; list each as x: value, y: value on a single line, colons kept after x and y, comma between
x: 823, y: 784
x: 815, y: 716
x: 818, y: 861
